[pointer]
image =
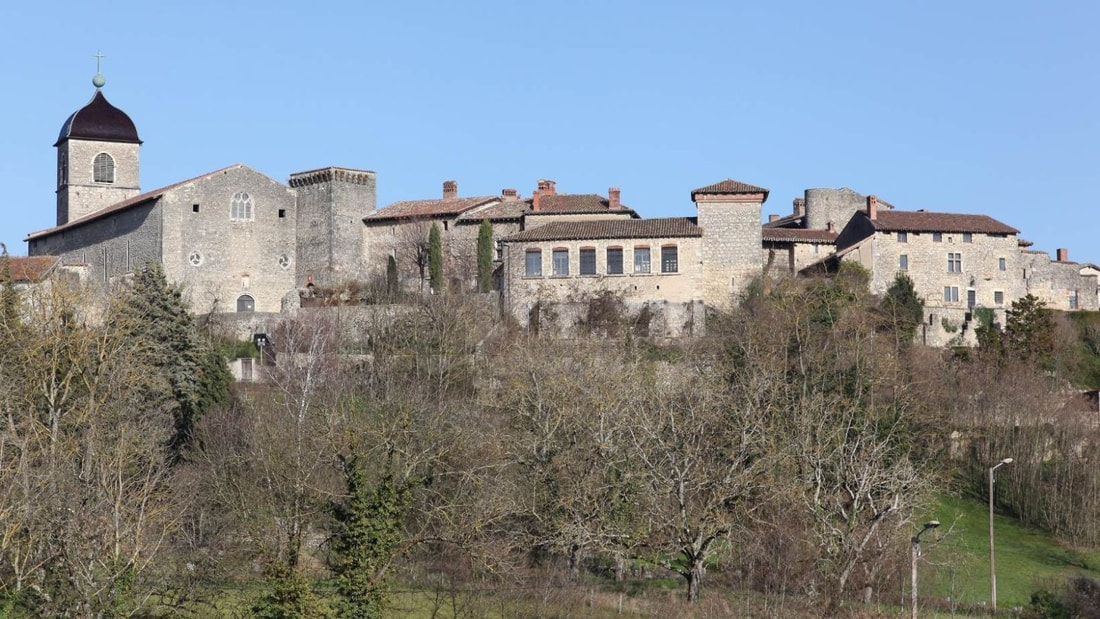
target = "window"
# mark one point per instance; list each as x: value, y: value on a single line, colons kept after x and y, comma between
x: 194, y: 208
x: 1000, y: 264
x: 195, y: 258
x: 954, y: 263
x: 240, y: 207
x: 246, y: 369
x: 283, y: 261
x: 937, y: 237
x: 951, y: 294
x: 669, y: 259
x: 968, y: 237
x: 62, y: 169
x: 614, y: 260
x: 641, y: 260
x: 282, y: 213
x: 534, y: 263
x: 903, y: 262
x: 561, y: 262
x: 998, y: 297
x: 103, y: 168
x: 245, y: 303
x: 1073, y: 300
x: 588, y: 261
x: 903, y: 237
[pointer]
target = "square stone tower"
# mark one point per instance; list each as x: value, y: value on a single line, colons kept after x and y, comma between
x: 332, y: 203
x: 729, y: 214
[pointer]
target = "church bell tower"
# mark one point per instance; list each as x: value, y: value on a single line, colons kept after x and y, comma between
x: 97, y: 157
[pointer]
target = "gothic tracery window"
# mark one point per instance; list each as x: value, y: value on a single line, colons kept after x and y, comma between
x: 240, y: 207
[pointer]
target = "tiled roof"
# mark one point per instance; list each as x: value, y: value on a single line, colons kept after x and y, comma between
x: 787, y: 221
x: 505, y: 209
x: 609, y: 229
x: 924, y: 221
x: 799, y: 235
x: 439, y: 207
x: 125, y: 204
x: 29, y: 268
x: 563, y: 203
x: 728, y: 186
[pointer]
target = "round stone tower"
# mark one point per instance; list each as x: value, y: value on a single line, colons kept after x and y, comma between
x: 97, y: 158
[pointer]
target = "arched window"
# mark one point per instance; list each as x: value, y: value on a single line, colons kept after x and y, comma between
x: 103, y: 168
x: 245, y: 303
x: 241, y: 206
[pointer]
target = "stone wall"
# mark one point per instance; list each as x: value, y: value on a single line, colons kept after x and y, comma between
x: 521, y: 293
x: 219, y: 259
x: 78, y: 194
x: 731, y: 246
x: 835, y: 205
x: 1056, y: 283
x: 332, y: 203
x: 110, y: 246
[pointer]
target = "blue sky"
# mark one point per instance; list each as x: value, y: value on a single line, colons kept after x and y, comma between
x: 972, y: 107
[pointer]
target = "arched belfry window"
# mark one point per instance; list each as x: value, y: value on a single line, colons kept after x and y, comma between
x: 240, y: 207
x: 245, y: 303
x: 103, y: 168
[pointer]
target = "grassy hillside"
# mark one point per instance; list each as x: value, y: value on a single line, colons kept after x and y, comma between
x: 955, y: 566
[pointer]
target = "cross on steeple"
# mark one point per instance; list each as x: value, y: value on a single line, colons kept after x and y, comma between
x: 98, y: 60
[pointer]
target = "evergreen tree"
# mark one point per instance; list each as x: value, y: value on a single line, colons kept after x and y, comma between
x: 1029, y: 332
x: 902, y: 308
x: 391, y: 277
x: 485, y: 256
x: 193, y: 375
x: 435, y: 258
x: 368, y: 536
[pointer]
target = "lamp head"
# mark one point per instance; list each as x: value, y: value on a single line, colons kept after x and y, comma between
x: 1006, y: 461
x: 932, y: 524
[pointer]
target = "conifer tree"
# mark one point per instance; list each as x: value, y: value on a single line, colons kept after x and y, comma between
x: 485, y: 256
x: 193, y: 376
x: 435, y: 258
x: 391, y: 277
x: 902, y: 308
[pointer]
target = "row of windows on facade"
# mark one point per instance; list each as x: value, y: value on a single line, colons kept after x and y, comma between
x: 954, y: 263
x: 937, y: 237
x: 670, y: 262
x: 951, y: 295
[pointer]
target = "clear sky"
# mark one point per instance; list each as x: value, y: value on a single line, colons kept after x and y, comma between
x: 970, y: 107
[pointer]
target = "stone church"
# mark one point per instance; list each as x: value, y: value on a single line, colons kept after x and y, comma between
x: 237, y: 239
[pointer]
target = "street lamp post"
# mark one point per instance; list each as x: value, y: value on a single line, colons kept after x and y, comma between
x: 916, y: 553
x: 992, y: 563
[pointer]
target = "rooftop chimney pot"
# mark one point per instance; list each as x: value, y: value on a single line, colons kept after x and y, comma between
x: 772, y: 217
x: 1063, y: 255
x: 450, y: 189
x: 614, y: 198
x: 872, y: 207
x: 509, y: 194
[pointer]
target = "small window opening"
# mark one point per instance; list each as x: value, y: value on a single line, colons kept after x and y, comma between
x: 194, y: 208
x: 282, y: 213
x: 103, y: 168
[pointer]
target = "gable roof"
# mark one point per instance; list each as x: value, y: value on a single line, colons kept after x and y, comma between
x: 129, y: 203
x: 576, y: 203
x: 504, y: 210
x: 29, y: 268
x: 925, y: 221
x: 788, y: 221
x: 798, y: 235
x: 609, y: 229
x: 728, y: 186
x: 439, y: 207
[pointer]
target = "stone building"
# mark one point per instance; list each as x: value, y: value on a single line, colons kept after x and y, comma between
x: 237, y: 239
x: 241, y: 241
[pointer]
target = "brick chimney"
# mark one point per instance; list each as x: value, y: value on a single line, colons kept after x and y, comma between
x: 831, y: 227
x: 546, y: 187
x: 614, y: 200
x: 1063, y: 255
x: 509, y: 194
x: 535, y: 199
x: 450, y: 190
x: 872, y: 207
x: 800, y: 206
x: 772, y: 217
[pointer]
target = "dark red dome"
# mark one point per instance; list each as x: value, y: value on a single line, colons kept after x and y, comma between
x: 99, y: 120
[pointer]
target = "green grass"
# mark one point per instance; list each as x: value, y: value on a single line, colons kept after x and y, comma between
x: 955, y: 561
